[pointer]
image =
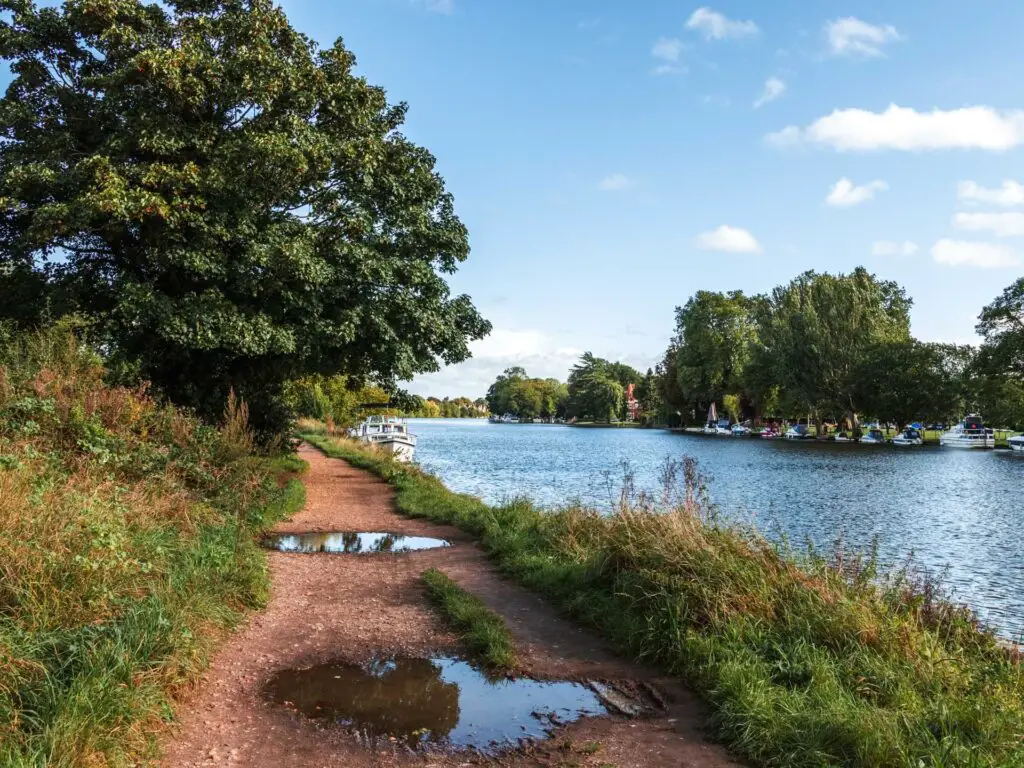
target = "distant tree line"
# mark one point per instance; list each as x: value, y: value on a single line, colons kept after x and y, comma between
x: 838, y: 346
x: 596, y: 391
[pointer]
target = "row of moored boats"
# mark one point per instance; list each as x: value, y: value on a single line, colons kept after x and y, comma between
x: 969, y: 433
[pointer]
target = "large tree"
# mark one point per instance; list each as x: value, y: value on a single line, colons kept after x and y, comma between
x: 814, y: 333
x: 228, y: 203
x: 712, y: 344
x: 1001, y: 324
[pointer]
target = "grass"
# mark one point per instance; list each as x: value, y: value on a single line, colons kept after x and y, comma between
x: 480, y: 629
x: 806, y: 661
x: 127, y: 533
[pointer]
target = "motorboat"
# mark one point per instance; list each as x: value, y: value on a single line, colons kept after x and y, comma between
x: 873, y: 436
x: 739, y: 430
x: 969, y: 433
x: 798, y: 432
x: 390, y: 434
x: 908, y: 437
x: 769, y: 433
x: 1016, y: 444
x: 843, y: 437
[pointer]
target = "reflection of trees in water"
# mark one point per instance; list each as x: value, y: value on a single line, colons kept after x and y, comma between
x: 404, y: 697
x: 352, y: 542
x: 386, y: 543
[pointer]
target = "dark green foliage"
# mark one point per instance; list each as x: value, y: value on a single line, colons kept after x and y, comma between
x: 807, y: 662
x: 482, y: 630
x: 597, y: 388
x: 228, y: 204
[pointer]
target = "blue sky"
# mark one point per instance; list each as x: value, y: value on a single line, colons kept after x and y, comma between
x: 611, y: 158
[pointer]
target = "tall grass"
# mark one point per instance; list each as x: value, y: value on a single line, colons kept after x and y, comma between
x: 806, y: 661
x: 126, y: 551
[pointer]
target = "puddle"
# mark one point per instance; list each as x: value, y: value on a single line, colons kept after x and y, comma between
x: 351, y: 543
x: 433, y: 702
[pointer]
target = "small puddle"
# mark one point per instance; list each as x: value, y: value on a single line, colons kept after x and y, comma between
x: 433, y: 702
x: 351, y: 543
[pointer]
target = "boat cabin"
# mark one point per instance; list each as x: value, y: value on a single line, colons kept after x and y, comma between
x: 384, y: 425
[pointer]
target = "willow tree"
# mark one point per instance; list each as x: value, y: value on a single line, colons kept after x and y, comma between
x: 815, y: 332
x: 228, y: 203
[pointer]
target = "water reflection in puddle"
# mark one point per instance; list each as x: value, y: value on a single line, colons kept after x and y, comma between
x: 426, y: 702
x: 351, y: 543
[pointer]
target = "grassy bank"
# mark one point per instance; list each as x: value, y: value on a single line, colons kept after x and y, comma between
x: 804, y: 661
x: 127, y: 540
x: 480, y: 629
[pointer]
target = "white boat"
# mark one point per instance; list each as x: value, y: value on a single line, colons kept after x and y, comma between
x: 390, y: 434
x: 738, y: 430
x: 873, y: 437
x: 798, y: 432
x: 1016, y: 444
x: 969, y: 433
x: 908, y: 437
x: 843, y: 437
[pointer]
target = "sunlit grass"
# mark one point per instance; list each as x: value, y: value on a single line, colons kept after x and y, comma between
x: 127, y: 533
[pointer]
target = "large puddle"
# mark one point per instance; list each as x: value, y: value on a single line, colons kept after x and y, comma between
x: 426, y: 702
x: 351, y: 543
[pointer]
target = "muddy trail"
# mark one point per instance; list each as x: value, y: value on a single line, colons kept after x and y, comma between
x: 345, y: 627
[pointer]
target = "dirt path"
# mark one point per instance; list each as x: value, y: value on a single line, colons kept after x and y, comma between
x: 352, y: 608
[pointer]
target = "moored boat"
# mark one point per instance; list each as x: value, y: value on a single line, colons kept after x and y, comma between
x: 969, y: 433
x: 1016, y: 444
x: 740, y: 430
x: 873, y: 437
x: 389, y: 433
x: 908, y: 437
x: 798, y: 432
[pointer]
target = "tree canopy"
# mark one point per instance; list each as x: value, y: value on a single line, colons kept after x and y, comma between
x: 226, y: 202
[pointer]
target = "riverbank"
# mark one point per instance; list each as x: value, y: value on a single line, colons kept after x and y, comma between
x: 805, y: 661
x: 127, y: 533
x: 328, y: 608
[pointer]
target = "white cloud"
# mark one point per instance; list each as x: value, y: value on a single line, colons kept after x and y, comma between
x: 962, y: 253
x: 667, y: 49
x: 668, y: 69
x: 905, y: 128
x: 1000, y: 224
x: 728, y: 239
x: 540, y: 354
x: 715, y: 26
x: 891, y: 248
x: 614, y: 183
x: 845, y: 194
x: 852, y: 37
x: 773, y: 89
x: 437, y: 6
x: 1010, y: 193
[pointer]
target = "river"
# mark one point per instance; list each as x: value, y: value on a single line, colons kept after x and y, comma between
x: 960, y: 513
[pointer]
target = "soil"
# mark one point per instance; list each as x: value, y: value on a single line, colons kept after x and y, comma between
x: 328, y: 608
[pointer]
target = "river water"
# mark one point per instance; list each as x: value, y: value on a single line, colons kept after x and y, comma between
x: 959, y: 513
